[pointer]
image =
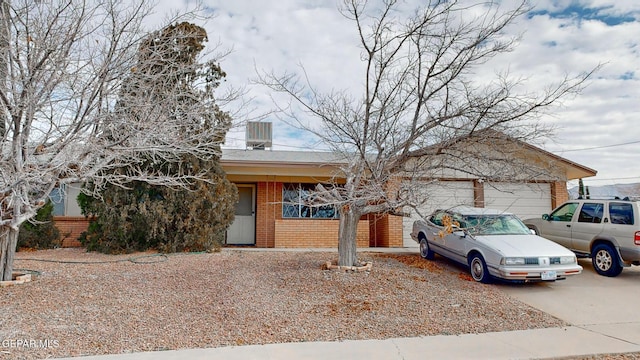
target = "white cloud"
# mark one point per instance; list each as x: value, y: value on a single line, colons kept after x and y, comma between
x: 281, y: 35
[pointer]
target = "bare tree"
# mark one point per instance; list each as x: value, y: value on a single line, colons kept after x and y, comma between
x: 422, y: 113
x: 63, y: 69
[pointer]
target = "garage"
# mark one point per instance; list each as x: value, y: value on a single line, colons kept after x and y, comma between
x: 526, y: 200
x: 440, y: 195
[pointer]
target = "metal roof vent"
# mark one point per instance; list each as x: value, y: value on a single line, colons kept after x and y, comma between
x: 258, y: 135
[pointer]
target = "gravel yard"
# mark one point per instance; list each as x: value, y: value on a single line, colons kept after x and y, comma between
x: 240, y: 297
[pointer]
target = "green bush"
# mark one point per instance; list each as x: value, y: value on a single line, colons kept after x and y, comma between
x: 151, y: 217
x: 40, y: 232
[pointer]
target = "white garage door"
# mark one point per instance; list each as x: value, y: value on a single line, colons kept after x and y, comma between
x: 440, y: 195
x: 524, y: 200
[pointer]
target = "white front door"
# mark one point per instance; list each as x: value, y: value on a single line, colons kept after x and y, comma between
x: 243, y: 229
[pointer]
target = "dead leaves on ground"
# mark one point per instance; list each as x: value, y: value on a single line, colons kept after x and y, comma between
x: 415, y: 261
x: 420, y: 263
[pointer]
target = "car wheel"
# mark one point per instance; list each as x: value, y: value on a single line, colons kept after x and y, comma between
x: 425, y: 250
x: 478, y: 269
x: 605, y: 260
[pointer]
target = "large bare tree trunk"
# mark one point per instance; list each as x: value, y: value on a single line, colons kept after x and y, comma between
x: 4, y: 54
x: 8, y: 243
x: 347, y: 236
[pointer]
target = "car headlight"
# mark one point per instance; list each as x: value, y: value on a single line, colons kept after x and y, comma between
x: 564, y: 260
x: 513, y: 261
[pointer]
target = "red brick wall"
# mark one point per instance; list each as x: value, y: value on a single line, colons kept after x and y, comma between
x: 70, y: 229
x: 268, y: 210
x: 308, y: 233
x: 395, y: 231
x: 273, y: 231
x: 385, y: 230
x: 559, y: 193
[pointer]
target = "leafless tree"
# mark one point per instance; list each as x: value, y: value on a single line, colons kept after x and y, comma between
x: 422, y: 113
x: 63, y: 66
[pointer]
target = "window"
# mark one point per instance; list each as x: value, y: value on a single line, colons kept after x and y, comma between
x: 564, y: 213
x: 297, y: 203
x: 437, y: 218
x: 621, y: 213
x: 57, y: 198
x: 591, y: 213
x: 495, y: 225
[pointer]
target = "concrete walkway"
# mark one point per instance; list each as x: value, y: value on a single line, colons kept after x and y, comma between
x: 526, y: 344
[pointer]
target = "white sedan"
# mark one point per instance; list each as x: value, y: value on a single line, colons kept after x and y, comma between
x: 493, y: 244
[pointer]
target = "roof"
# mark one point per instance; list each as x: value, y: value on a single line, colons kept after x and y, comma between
x: 322, y: 163
x: 280, y: 157
x: 533, y: 154
x: 251, y: 165
x: 574, y: 170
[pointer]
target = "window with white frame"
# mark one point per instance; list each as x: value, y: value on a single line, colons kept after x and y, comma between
x: 296, y: 203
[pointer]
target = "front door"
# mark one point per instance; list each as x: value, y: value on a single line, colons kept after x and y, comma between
x: 243, y: 229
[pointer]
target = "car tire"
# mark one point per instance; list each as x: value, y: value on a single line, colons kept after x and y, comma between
x: 605, y: 260
x: 425, y: 250
x: 478, y: 269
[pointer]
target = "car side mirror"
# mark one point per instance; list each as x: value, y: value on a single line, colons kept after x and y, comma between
x: 533, y: 232
x: 460, y: 233
x: 545, y: 216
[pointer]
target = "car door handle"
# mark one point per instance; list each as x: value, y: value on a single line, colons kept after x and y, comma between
x: 568, y: 225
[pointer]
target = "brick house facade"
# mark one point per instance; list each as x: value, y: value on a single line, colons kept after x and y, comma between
x: 265, y: 175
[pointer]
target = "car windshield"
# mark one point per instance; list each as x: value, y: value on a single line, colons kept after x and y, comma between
x: 494, y: 225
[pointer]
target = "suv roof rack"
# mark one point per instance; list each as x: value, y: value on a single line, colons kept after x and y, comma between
x: 626, y: 198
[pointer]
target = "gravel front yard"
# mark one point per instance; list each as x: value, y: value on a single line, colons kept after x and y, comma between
x: 240, y: 297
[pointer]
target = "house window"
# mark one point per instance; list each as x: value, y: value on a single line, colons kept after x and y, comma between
x: 297, y: 203
x: 57, y: 197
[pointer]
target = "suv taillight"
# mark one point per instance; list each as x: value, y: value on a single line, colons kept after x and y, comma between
x: 636, y: 238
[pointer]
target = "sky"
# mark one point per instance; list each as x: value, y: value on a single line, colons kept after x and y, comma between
x: 599, y: 129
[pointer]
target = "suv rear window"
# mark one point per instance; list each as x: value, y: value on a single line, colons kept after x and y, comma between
x: 591, y: 213
x: 621, y: 213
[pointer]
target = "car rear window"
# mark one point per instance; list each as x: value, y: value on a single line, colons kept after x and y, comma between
x: 591, y: 213
x: 621, y: 213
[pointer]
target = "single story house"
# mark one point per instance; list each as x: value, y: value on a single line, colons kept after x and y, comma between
x: 270, y: 183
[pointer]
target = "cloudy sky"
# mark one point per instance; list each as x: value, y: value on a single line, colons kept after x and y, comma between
x: 599, y: 129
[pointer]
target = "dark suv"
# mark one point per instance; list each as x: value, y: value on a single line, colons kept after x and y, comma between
x: 607, y: 231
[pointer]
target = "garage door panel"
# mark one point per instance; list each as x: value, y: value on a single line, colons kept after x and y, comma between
x: 439, y: 195
x: 524, y: 200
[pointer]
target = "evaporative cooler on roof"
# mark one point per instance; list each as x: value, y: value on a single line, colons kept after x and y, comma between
x: 258, y: 135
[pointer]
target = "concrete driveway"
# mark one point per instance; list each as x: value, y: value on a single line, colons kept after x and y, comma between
x: 597, y: 303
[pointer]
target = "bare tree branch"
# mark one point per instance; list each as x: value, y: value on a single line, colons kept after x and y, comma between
x: 422, y: 112
x: 64, y: 65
